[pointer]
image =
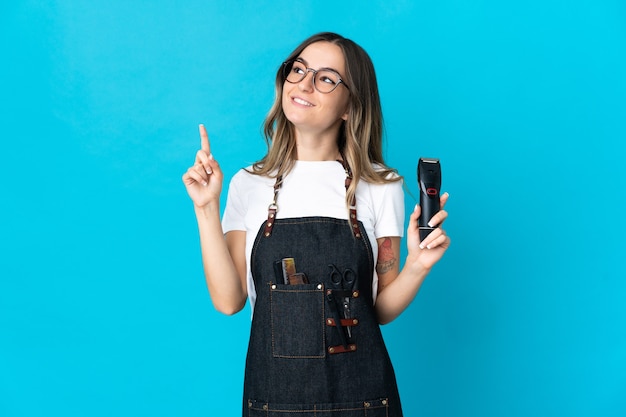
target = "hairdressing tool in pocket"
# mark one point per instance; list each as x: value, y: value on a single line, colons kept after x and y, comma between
x: 278, y: 272
x: 429, y: 180
x: 298, y: 278
x: 285, y: 271
x: 344, y: 282
x: 289, y: 268
x: 334, y: 311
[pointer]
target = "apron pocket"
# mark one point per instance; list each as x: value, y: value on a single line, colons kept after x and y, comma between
x: 297, y: 319
x: 369, y: 408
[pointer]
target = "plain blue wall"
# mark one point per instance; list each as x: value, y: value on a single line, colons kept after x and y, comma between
x: 103, y: 306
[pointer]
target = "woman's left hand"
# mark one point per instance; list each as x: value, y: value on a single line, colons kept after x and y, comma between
x: 427, y: 253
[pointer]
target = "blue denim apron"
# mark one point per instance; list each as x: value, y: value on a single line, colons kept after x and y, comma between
x: 298, y: 363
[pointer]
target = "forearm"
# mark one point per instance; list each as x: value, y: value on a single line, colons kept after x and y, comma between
x: 224, y: 283
x: 397, y: 291
x: 398, y: 294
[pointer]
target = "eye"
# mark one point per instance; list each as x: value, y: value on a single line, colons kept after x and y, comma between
x: 328, y: 77
x: 298, y: 68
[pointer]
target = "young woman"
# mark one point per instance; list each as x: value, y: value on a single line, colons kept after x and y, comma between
x: 311, y: 236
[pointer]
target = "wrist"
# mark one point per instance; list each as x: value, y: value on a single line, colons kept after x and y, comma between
x: 415, y: 267
x: 207, y: 210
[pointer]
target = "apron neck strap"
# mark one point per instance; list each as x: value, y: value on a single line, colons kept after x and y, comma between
x: 354, y: 225
x: 352, y: 219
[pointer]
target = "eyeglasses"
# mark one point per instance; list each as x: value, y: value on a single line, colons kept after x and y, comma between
x: 325, y: 80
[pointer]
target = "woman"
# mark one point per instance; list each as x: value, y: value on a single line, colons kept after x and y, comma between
x: 322, y: 199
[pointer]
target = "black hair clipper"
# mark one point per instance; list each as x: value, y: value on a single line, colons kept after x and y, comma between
x: 429, y: 180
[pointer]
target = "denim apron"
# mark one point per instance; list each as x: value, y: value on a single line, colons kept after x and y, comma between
x: 300, y: 362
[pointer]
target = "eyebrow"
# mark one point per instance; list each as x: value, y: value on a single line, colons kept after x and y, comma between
x: 302, y: 60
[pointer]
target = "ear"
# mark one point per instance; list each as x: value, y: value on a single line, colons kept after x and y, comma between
x: 345, y: 115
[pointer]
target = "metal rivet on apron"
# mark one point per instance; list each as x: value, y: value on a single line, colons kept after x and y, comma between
x: 352, y: 347
x: 355, y: 321
x: 329, y: 322
x: 265, y: 406
x: 331, y: 350
x: 272, y: 215
x: 274, y: 286
x: 269, y: 224
x: 358, y: 235
x: 355, y: 294
x: 366, y: 404
x: 249, y: 404
x: 267, y: 234
x: 384, y: 402
x: 320, y: 286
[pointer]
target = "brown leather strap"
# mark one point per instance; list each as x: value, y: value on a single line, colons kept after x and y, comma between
x: 341, y: 349
x: 272, y: 209
x: 344, y: 322
x: 344, y: 293
x: 354, y: 224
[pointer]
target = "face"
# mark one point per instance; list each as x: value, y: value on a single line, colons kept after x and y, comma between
x: 304, y: 106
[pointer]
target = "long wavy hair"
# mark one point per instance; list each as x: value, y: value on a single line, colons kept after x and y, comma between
x: 360, y: 136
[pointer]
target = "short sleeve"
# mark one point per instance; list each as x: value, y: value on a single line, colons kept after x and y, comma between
x: 234, y: 213
x: 389, y: 210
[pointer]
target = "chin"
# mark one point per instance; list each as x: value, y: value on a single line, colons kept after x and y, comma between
x: 293, y: 116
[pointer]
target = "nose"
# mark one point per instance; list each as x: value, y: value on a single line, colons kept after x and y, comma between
x: 307, y: 82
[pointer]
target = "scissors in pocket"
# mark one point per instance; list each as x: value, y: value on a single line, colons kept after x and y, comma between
x: 344, y: 283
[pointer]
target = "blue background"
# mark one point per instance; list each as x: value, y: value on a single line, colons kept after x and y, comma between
x: 103, y: 306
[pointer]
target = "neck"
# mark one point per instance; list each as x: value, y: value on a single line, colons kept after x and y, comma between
x: 317, y: 147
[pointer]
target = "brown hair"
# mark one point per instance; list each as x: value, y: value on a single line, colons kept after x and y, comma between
x: 360, y: 136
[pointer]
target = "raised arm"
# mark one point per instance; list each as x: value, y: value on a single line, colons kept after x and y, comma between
x: 223, y: 257
x: 397, y: 289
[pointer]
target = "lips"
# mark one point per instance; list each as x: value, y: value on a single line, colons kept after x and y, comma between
x: 301, y: 102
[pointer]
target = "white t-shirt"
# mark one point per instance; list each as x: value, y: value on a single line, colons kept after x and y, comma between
x: 312, y: 188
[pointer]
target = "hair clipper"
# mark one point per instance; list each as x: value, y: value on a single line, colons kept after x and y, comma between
x: 429, y: 180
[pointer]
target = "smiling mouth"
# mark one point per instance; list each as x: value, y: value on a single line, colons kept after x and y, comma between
x: 300, y: 101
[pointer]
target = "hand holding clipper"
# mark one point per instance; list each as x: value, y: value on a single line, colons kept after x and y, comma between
x: 429, y: 180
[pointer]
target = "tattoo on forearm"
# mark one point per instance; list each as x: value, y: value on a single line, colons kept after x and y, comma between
x: 386, y: 260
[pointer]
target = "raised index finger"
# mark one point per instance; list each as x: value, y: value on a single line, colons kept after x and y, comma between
x: 204, y: 140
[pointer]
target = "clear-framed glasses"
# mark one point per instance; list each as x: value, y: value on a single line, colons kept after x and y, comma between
x: 325, y: 80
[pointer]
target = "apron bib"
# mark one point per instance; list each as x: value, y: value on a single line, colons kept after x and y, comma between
x: 300, y: 362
